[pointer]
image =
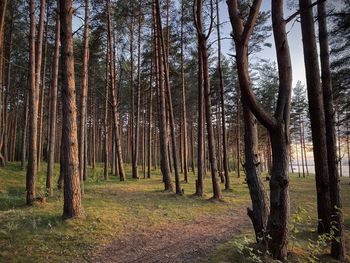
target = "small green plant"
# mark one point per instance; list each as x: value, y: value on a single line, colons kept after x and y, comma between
x: 244, y: 247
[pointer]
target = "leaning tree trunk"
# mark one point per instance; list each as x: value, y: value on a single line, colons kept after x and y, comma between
x: 338, y: 240
x: 278, y: 125
x: 317, y: 116
x: 70, y: 157
x: 259, y: 212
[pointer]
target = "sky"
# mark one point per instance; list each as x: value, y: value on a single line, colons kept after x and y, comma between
x: 294, y: 38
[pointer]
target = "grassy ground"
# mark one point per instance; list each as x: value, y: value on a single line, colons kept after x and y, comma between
x: 112, y: 209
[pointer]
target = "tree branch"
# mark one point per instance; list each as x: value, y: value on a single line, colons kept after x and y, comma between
x: 299, y: 11
x: 253, y: 16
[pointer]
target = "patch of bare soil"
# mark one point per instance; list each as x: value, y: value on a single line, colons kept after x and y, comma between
x: 178, y: 242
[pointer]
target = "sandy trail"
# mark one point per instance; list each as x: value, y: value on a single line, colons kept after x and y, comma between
x: 179, y: 242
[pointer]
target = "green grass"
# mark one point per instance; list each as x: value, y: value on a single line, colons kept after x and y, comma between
x: 38, y: 234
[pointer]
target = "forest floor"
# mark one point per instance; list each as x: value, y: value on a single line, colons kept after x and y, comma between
x: 135, y: 221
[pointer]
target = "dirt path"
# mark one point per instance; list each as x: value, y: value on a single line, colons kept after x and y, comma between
x: 179, y: 242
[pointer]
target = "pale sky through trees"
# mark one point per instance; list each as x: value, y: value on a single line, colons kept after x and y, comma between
x: 268, y: 53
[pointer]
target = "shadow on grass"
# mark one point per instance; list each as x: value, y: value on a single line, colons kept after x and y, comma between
x: 13, y: 198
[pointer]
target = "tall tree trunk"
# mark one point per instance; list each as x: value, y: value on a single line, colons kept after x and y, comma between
x: 168, y: 99
x: 25, y: 126
x: 33, y: 113
x: 84, y: 93
x: 135, y: 173
x: 203, y: 52
x: 222, y: 101
x: 3, y: 9
x: 278, y: 126
x: 53, y: 106
x: 200, y: 136
x: 192, y: 148
x: 6, y: 90
x: 338, y: 240
x: 38, y: 65
x: 105, y: 119
x: 260, y: 210
x: 297, y: 156
x: 42, y: 98
x: 114, y: 98
x: 317, y: 116
x: 132, y: 117
x: 238, y: 136
x: 302, y: 144
x: 70, y: 157
x: 183, y: 102
x: 340, y: 158
x: 164, y: 157
x: 149, y: 139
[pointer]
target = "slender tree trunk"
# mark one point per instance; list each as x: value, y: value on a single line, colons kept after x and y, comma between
x: 70, y: 157
x: 132, y: 117
x: 203, y: 52
x: 297, y: 156
x: 200, y: 136
x: 25, y: 127
x: 219, y: 143
x: 164, y: 59
x: 340, y: 158
x: 93, y: 123
x: 53, y: 106
x: 105, y: 170
x: 164, y: 157
x: 149, y: 149
x: 135, y: 173
x: 42, y: 98
x: 238, y: 135
x: 192, y: 149
x: 38, y: 65
x: 259, y: 212
x: 3, y: 9
x: 6, y: 90
x: 302, y: 145
x: 84, y: 93
x: 183, y: 102
x: 317, y: 116
x: 222, y: 101
x: 33, y: 112
x: 114, y: 98
x: 338, y: 241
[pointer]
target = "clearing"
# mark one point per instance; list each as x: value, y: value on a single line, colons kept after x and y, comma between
x: 135, y: 221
